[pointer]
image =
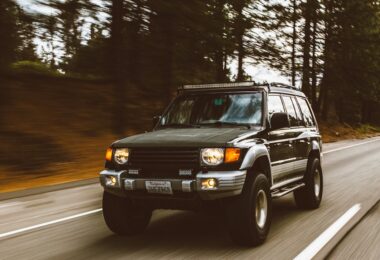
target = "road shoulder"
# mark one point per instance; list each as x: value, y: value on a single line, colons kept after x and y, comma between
x: 44, y: 189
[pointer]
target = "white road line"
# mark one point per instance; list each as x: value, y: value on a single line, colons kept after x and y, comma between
x: 350, y: 146
x: 49, y: 223
x: 311, y: 251
x: 11, y: 204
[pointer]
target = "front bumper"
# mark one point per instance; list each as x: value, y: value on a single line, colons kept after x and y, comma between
x: 229, y: 183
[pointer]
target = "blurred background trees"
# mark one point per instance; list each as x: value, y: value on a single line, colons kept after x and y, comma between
x: 331, y: 48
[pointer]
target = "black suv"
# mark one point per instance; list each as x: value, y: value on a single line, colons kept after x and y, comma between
x: 235, y: 145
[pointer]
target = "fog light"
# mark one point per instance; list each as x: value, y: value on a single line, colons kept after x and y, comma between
x: 111, y: 181
x: 209, y: 184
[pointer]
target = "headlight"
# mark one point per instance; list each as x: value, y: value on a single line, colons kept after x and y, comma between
x: 212, y: 156
x: 121, y: 155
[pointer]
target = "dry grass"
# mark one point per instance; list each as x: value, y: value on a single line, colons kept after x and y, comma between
x: 332, y: 132
x: 57, y: 131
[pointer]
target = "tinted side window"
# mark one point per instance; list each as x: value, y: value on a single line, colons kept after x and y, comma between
x: 298, y: 111
x: 307, y: 115
x: 291, y: 111
x: 275, y: 105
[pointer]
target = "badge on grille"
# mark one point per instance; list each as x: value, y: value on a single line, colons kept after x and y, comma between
x: 186, y: 172
x: 133, y: 171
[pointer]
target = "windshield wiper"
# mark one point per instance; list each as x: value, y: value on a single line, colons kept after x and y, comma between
x: 180, y: 125
x: 224, y: 123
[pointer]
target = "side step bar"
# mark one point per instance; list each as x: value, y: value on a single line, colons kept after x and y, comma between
x: 283, y: 191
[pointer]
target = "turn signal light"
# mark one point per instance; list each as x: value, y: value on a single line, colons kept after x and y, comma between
x: 109, y: 154
x: 232, y: 155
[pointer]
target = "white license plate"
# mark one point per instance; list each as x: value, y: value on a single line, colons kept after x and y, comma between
x: 162, y: 187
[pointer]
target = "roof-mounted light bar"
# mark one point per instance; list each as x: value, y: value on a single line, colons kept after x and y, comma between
x: 251, y: 84
x: 220, y: 85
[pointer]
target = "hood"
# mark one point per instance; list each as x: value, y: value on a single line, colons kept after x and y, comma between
x: 185, y: 137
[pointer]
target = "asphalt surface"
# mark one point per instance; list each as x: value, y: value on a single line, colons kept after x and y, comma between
x: 363, y: 242
x: 352, y: 177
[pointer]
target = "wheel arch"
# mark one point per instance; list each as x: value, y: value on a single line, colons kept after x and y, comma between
x: 256, y: 158
x: 315, y: 150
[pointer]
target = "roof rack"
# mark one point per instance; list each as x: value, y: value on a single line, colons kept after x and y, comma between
x: 237, y: 85
x: 223, y: 85
x: 282, y: 85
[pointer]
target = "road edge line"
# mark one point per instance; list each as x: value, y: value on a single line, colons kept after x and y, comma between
x: 350, y: 146
x: 351, y: 228
x: 26, y: 229
x: 328, y: 234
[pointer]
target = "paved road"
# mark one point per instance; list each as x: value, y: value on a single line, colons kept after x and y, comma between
x: 363, y: 242
x: 352, y: 177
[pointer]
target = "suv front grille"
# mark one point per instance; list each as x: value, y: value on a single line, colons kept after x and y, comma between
x: 162, y: 156
x: 163, y: 162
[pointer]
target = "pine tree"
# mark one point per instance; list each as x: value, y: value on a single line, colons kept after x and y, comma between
x: 26, y: 24
x: 10, y: 40
x: 240, y: 26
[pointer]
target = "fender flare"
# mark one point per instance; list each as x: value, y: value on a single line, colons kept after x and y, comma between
x: 315, y: 146
x: 253, y: 153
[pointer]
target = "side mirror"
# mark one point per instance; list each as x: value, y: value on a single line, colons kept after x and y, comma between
x: 279, y: 120
x: 156, y: 119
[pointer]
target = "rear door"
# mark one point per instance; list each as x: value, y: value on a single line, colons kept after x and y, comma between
x: 280, y: 144
x: 310, y: 131
x: 298, y: 134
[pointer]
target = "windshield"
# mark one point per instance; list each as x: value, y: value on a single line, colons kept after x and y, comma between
x: 215, y: 109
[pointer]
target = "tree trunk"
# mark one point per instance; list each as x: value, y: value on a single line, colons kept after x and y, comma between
x: 240, y: 75
x: 365, y: 109
x: 219, y: 52
x: 169, y: 56
x: 240, y: 39
x: 294, y: 42
x: 4, y: 100
x: 323, y: 100
x: 314, y: 64
x: 116, y: 66
x: 306, y: 49
x: 135, y: 47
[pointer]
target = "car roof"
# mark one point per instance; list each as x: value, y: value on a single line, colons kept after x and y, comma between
x: 278, y: 88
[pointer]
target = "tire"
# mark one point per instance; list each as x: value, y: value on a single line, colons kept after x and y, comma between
x: 123, y: 217
x: 310, y: 196
x: 249, y: 226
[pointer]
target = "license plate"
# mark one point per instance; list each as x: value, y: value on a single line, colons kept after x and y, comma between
x: 162, y: 187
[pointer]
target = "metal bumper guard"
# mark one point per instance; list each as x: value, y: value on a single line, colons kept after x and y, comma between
x: 229, y: 183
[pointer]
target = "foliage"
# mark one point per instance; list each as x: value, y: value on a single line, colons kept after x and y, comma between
x: 33, y: 68
x: 8, y: 32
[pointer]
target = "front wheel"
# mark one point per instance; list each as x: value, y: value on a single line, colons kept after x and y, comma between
x: 123, y: 217
x: 249, y: 215
x: 310, y: 196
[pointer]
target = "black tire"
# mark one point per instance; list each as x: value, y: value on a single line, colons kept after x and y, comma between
x: 123, y: 217
x: 310, y: 196
x: 245, y: 228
